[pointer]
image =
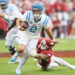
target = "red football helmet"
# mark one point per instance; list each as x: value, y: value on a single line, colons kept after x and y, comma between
x: 45, y: 43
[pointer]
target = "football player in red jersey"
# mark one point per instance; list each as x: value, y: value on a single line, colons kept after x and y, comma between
x: 44, y: 46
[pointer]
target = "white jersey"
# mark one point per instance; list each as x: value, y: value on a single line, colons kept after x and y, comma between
x: 12, y: 10
x: 35, y: 27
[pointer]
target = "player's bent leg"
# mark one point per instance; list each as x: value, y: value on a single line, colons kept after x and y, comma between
x: 11, y: 48
x: 10, y: 45
x: 20, y: 49
x: 23, y: 41
x: 10, y: 40
x: 23, y: 60
x: 62, y: 62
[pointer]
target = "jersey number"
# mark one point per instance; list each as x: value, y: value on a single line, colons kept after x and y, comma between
x: 33, y: 29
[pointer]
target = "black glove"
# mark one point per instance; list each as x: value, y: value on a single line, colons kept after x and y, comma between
x: 12, y: 50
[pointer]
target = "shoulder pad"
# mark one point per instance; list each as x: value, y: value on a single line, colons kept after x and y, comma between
x: 28, y: 15
x: 46, y: 19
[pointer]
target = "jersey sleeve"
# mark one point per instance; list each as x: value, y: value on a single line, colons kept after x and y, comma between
x: 47, y: 22
x: 15, y: 12
x: 27, y: 16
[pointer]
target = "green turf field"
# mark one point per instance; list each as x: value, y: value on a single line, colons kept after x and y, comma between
x: 64, y: 45
x: 30, y: 68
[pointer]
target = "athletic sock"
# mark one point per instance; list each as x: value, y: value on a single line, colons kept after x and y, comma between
x: 23, y: 60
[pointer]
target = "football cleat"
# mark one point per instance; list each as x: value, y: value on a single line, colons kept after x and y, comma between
x: 18, y: 71
x: 12, y: 61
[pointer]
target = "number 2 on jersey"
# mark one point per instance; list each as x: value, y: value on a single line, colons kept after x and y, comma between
x: 33, y: 29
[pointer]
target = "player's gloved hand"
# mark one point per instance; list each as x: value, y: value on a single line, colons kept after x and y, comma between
x: 22, y: 28
x: 12, y: 50
x: 24, y: 25
x: 55, y: 41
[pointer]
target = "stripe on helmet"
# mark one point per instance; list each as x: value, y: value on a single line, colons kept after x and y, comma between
x: 35, y: 5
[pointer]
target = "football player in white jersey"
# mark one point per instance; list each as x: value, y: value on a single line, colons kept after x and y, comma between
x: 10, y: 13
x: 28, y: 39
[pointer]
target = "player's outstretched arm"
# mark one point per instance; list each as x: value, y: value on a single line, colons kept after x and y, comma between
x: 41, y: 56
x: 49, y: 33
x: 18, y: 23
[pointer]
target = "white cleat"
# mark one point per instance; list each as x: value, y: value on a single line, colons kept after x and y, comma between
x: 12, y: 61
x: 18, y: 71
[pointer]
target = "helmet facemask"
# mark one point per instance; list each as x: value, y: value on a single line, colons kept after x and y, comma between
x: 37, y: 14
x: 3, y: 6
x: 37, y: 10
x: 43, y: 45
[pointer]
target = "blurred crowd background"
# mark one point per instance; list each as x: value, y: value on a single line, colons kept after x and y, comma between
x: 61, y: 12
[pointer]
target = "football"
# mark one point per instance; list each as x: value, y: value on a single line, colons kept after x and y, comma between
x: 24, y: 24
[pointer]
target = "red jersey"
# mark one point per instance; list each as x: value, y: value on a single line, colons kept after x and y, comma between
x: 47, y: 50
